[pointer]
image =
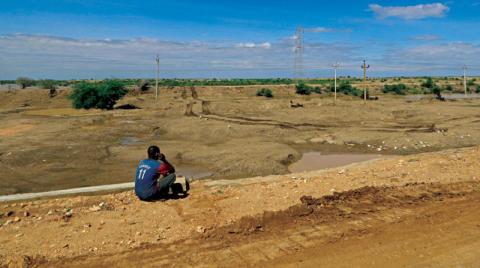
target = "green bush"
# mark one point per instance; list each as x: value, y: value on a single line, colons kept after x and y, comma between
x: 477, y: 90
x: 471, y: 82
x: 346, y: 88
x: 416, y: 90
x: 399, y: 89
x: 303, y: 89
x: 317, y: 90
x: 428, y: 83
x: 47, y: 84
x: 437, y: 91
x: 24, y: 82
x: 144, y: 85
x: 431, y: 87
x: 101, y: 95
x: 265, y: 92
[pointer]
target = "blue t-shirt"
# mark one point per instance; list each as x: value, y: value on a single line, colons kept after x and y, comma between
x: 146, y: 178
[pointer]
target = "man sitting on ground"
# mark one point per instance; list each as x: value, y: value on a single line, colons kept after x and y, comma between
x: 154, y: 176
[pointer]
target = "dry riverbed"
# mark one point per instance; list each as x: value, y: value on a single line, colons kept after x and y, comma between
x: 46, y: 145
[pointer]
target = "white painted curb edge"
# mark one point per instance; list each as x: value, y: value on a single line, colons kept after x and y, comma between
x: 82, y: 190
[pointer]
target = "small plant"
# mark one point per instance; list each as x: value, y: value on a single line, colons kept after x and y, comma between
x: 346, y: 88
x: 399, y: 89
x: 317, y: 90
x: 416, y: 90
x: 449, y: 88
x: 144, y: 85
x: 48, y: 84
x: 428, y: 83
x: 25, y: 82
x: 303, y: 89
x: 101, y: 95
x: 471, y: 82
x: 265, y: 92
x: 437, y: 91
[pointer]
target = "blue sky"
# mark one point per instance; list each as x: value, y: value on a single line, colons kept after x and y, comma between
x: 103, y: 39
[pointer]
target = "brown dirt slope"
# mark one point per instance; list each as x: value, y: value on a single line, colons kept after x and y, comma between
x: 413, y: 225
x: 267, y: 220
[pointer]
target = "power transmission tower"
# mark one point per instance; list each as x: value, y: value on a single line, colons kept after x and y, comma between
x: 157, y: 59
x: 365, y: 67
x: 299, y: 48
x: 335, y: 67
x: 465, y: 78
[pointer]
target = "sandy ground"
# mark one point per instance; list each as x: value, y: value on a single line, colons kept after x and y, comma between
x: 46, y: 145
x: 417, y: 211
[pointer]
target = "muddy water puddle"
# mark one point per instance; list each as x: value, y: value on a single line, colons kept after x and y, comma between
x: 317, y: 160
x: 193, y: 172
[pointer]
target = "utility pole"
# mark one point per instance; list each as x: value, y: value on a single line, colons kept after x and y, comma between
x: 465, y: 78
x: 365, y: 67
x: 157, y: 59
x: 335, y: 67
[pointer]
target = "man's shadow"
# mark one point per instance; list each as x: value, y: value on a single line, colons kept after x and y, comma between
x: 177, y: 192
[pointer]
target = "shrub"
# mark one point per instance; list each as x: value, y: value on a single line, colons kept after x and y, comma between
x: 101, y: 95
x: 477, y: 90
x: 24, y: 82
x: 448, y: 88
x: 265, y: 92
x: 428, y: 83
x: 399, y: 89
x: 416, y: 90
x: 48, y: 84
x: 303, y: 89
x: 437, y: 91
x: 346, y: 88
x: 144, y: 85
x: 471, y: 82
x: 317, y: 90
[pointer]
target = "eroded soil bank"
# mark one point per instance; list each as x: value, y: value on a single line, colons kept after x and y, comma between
x: 415, y: 210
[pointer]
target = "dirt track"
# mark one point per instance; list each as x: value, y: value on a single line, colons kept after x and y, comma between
x: 394, y: 210
x: 416, y: 225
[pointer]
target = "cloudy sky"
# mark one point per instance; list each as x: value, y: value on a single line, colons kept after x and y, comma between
x: 107, y: 39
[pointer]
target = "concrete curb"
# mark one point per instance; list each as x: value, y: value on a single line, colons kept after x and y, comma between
x: 81, y: 190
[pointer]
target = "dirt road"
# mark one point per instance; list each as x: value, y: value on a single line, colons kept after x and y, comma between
x: 413, y: 210
x: 416, y: 225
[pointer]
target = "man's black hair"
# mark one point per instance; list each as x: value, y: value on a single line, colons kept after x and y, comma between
x: 153, y: 152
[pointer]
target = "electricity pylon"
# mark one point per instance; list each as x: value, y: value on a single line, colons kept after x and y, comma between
x: 299, y: 48
x: 365, y: 67
x: 465, y: 78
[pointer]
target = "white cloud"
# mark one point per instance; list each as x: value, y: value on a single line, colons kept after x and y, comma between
x: 325, y: 30
x: 319, y: 30
x: 57, y: 57
x: 265, y: 45
x: 410, y: 12
x: 448, y: 57
x: 426, y: 37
